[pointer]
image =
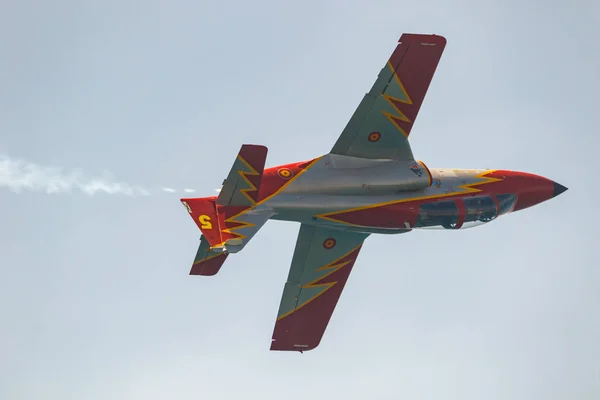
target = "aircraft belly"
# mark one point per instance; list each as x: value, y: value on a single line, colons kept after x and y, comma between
x: 342, y: 175
x: 376, y: 213
x: 306, y: 219
x: 321, y: 203
x: 309, y: 209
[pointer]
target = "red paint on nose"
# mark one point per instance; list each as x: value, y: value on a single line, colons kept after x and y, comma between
x: 530, y: 189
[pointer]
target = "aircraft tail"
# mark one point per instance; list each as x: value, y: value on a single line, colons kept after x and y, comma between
x: 230, y: 220
x: 225, y: 228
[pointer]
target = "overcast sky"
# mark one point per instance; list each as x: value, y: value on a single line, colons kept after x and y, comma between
x: 95, y: 297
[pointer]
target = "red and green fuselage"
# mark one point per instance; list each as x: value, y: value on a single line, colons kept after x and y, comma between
x: 381, y: 196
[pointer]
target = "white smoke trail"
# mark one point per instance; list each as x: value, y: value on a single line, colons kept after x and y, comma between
x: 171, y: 190
x: 18, y: 175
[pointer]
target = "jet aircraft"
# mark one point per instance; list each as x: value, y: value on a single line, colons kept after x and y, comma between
x: 369, y: 183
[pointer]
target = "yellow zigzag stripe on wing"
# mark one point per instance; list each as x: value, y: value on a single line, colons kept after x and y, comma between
x: 330, y: 268
x: 391, y: 117
x: 466, y: 188
x: 251, y: 188
x: 244, y: 174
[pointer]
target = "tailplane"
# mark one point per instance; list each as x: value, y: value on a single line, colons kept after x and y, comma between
x: 242, y: 185
x: 207, y: 262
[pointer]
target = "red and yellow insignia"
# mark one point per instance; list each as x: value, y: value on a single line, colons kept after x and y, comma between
x: 285, y: 173
x: 374, y: 136
x: 329, y: 243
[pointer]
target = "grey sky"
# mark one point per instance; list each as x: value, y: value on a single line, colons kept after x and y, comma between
x: 95, y: 300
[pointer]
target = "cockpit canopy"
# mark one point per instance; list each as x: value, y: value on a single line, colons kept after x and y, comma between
x: 464, y: 212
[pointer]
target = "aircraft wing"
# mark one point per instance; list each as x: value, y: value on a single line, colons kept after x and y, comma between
x: 380, y: 126
x: 321, y: 264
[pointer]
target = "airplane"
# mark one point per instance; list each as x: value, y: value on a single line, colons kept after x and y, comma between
x: 369, y: 183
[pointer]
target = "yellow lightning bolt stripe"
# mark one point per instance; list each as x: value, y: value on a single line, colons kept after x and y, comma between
x: 466, y: 188
x: 248, y: 224
x: 210, y: 257
x: 243, y: 224
x: 244, y: 175
x: 332, y: 267
x: 310, y: 165
x: 407, y: 100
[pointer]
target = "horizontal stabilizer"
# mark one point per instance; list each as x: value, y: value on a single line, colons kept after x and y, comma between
x: 207, y: 262
x: 242, y: 185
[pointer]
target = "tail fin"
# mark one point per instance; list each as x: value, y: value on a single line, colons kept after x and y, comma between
x: 204, y: 213
x: 226, y: 228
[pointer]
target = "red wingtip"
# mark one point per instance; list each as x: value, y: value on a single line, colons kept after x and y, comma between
x: 422, y: 38
x: 210, y: 266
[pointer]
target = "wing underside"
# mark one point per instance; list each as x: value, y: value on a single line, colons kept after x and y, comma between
x: 380, y: 126
x: 321, y: 265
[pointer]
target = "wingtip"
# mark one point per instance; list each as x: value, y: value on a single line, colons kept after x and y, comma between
x: 210, y: 266
x: 423, y: 38
x: 299, y: 349
x: 255, y: 147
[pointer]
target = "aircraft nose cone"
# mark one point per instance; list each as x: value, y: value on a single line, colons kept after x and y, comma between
x: 558, y: 189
